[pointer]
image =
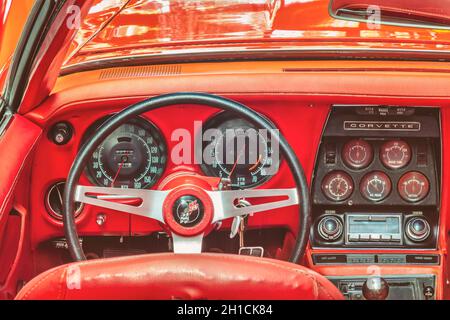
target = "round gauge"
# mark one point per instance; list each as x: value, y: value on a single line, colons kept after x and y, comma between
x: 238, y: 151
x: 413, y: 186
x: 375, y: 186
x: 337, y: 186
x: 357, y: 154
x: 133, y: 156
x: 395, y: 154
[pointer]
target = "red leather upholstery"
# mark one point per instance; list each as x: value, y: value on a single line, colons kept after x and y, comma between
x: 170, y: 276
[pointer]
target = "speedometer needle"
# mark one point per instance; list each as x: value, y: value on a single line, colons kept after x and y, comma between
x: 117, y: 174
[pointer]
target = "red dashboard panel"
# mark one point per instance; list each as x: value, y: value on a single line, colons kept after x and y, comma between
x: 303, y: 129
x: 298, y: 103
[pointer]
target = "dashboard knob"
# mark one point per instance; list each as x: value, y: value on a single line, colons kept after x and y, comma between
x: 330, y: 228
x: 61, y: 133
x: 418, y: 229
x: 375, y: 288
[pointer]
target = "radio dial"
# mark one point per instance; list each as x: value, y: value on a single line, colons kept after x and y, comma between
x: 418, y: 229
x: 330, y: 228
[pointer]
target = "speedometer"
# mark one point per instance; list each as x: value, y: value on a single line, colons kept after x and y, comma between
x: 239, y: 152
x: 133, y: 156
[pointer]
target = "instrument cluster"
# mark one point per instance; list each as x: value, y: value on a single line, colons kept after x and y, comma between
x: 375, y: 185
x: 136, y: 154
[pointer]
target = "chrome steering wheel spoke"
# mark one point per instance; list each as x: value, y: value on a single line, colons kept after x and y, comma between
x: 149, y: 202
x: 225, y: 202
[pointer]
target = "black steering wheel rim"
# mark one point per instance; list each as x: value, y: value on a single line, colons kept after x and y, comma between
x: 167, y: 100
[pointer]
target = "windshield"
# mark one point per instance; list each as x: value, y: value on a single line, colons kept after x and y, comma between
x: 124, y: 28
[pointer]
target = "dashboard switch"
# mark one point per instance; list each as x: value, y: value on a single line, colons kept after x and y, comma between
x: 61, y: 133
x: 422, y: 160
x: 330, y: 153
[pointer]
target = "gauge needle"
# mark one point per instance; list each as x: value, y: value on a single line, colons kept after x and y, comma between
x: 236, y: 162
x: 375, y: 185
x: 339, y: 186
x: 118, y: 171
x: 256, y: 164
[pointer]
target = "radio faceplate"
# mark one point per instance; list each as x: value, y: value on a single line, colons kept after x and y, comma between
x: 366, y: 228
x: 375, y: 229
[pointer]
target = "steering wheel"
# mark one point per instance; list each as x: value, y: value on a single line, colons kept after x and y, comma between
x: 212, y: 203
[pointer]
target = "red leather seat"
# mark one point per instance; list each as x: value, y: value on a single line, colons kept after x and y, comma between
x: 170, y: 276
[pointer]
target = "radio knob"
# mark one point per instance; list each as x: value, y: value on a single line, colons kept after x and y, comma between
x: 418, y: 229
x: 330, y: 228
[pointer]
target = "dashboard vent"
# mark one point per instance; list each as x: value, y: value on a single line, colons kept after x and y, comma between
x: 141, y: 72
x: 54, y: 201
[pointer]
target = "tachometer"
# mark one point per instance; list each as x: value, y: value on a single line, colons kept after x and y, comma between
x: 239, y: 152
x: 133, y: 156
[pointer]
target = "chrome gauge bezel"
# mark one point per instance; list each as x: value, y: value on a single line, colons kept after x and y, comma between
x: 223, y: 118
x: 152, y: 131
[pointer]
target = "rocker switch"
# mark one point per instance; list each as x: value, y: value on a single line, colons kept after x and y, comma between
x: 330, y: 153
x: 422, y: 160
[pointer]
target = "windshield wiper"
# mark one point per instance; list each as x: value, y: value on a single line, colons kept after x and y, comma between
x: 395, y: 17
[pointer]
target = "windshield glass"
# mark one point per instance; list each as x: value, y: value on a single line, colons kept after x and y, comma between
x: 124, y: 28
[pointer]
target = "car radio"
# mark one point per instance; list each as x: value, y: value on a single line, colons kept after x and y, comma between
x: 368, y: 228
x: 355, y: 229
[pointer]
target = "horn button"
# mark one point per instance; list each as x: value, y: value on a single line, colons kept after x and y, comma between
x: 188, y: 210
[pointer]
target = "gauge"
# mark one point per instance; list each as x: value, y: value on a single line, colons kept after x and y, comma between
x: 337, y: 186
x: 395, y: 154
x: 413, y: 186
x: 375, y: 186
x: 238, y: 151
x: 133, y: 156
x: 357, y: 154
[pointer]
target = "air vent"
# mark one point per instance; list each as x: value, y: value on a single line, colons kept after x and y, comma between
x: 141, y: 72
x: 54, y: 201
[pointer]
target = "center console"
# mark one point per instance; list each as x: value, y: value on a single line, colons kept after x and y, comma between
x: 416, y: 287
x: 376, y: 182
x: 376, y: 189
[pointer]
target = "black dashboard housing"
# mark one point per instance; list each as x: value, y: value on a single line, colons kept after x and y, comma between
x: 417, y: 126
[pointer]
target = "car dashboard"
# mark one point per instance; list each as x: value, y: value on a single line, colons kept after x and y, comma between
x: 373, y: 157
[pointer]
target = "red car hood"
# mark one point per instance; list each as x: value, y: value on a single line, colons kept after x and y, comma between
x: 138, y: 27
